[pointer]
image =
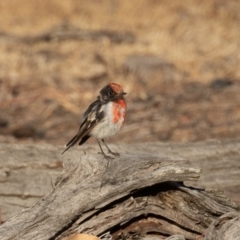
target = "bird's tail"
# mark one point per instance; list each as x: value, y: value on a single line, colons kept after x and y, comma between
x: 72, y: 142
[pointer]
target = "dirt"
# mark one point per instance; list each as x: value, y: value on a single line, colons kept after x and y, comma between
x: 177, y: 60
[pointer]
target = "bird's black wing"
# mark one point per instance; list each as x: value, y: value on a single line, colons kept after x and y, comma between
x: 93, y: 114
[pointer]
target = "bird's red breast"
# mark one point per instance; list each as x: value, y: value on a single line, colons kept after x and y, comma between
x: 119, y: 111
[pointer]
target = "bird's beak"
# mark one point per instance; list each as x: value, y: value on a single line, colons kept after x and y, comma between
x: 121, y: 94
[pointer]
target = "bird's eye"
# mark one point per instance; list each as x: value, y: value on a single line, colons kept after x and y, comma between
x: 110, y: 93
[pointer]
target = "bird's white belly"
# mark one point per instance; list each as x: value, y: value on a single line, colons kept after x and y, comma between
x: 106, y: 127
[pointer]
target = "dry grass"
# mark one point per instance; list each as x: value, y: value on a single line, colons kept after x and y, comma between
x: 46, y: 86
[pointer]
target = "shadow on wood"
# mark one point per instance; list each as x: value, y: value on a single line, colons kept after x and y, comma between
x: 137, y: 195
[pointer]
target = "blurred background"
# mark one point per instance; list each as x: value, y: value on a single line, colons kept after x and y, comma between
x: 177, y: 60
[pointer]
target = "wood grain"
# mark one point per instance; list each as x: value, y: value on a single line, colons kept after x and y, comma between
x: 140, y: 192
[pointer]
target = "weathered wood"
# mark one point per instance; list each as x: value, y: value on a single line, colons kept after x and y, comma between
x: 88, y: 186
x: 138, y: 194
x: 176, y: 209
x: 226, y: 227
x: 27, y: 171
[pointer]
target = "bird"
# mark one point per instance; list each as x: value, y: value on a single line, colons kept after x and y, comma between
x: 103, y: 118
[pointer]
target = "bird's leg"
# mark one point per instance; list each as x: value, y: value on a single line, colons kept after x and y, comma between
x: 104, y: 155
x: 109, y: 151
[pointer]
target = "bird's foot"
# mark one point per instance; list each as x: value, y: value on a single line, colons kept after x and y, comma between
x: 106, y: 156
x: 114, y: 153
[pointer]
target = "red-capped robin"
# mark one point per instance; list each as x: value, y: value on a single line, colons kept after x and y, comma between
x: 103, y: 118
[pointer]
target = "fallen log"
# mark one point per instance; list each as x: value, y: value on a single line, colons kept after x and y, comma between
x: 28, y: 171
x: 137, y: 195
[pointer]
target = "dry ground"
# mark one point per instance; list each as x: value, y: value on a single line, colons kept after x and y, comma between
x: 178, y: 61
